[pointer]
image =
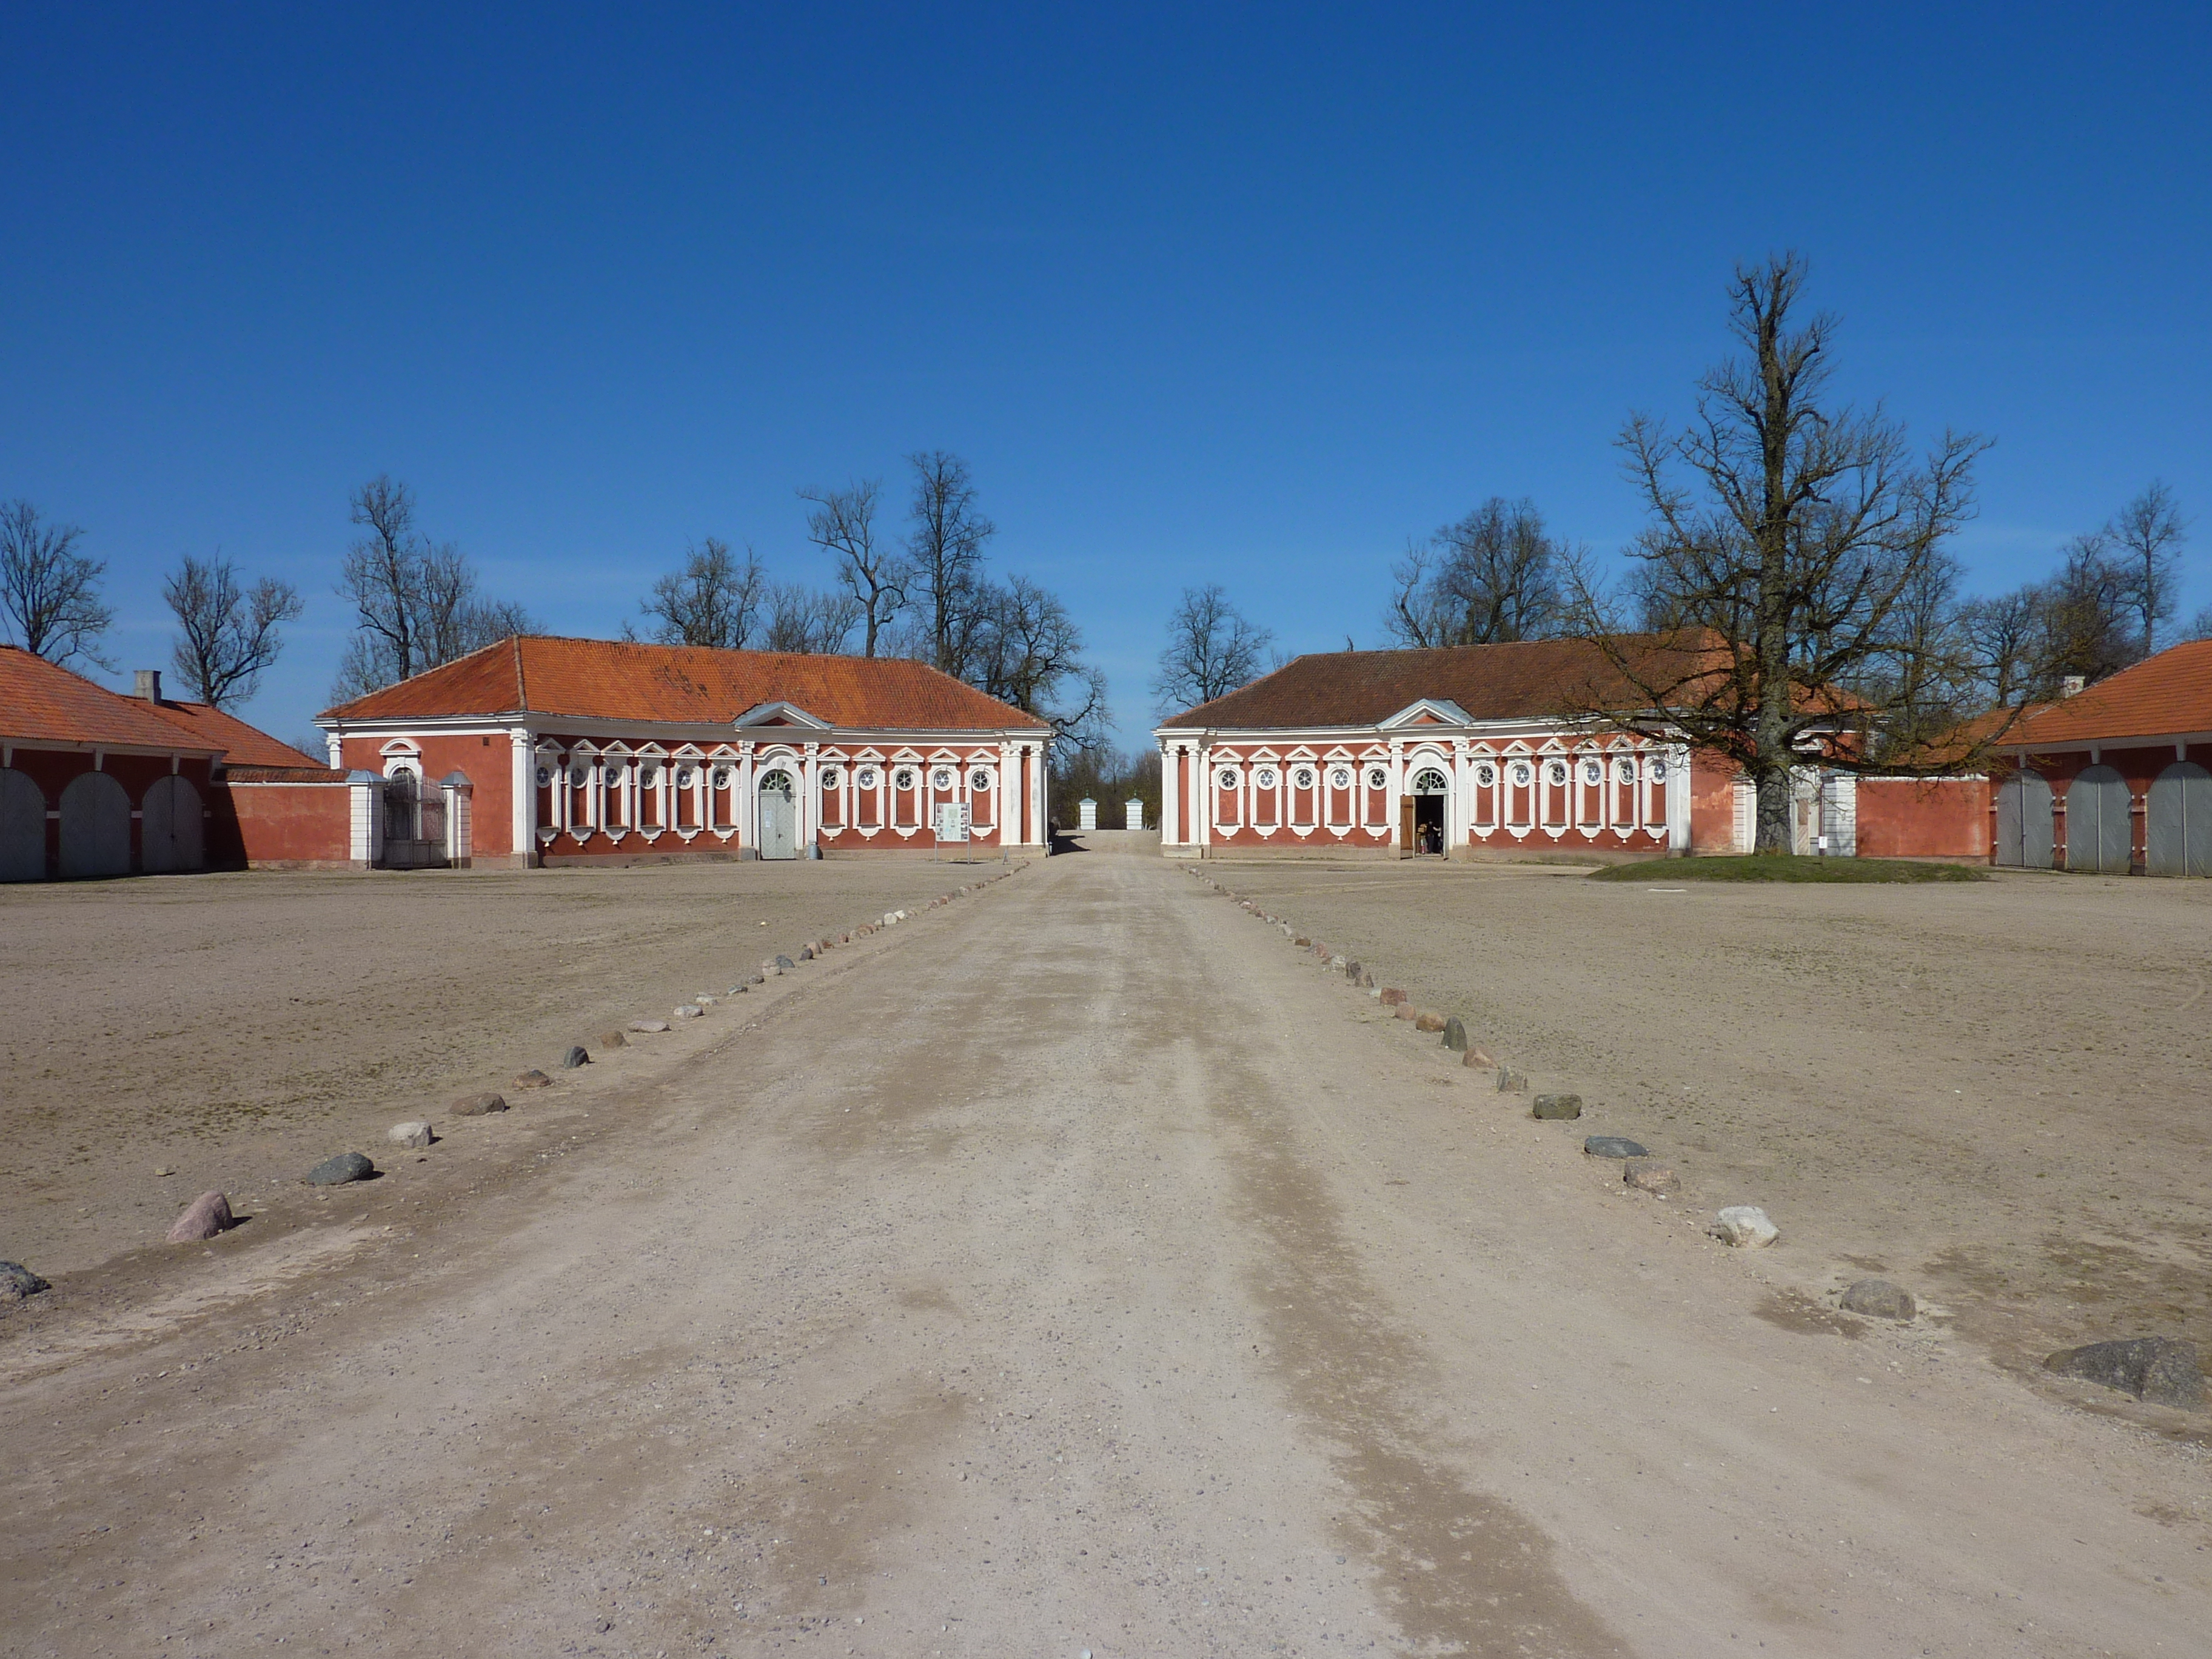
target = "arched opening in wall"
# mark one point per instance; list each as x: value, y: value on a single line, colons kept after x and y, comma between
x: 2178, y: 830
x: 95, y: 828
x: 2098, y: 835
x: 172, y: 833
x: 22, y: 827
x: 779, y: 815
x: 2024, y: 822
x: 1430, y: 790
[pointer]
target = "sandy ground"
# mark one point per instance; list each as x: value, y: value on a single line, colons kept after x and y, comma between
x: 1071, y: 1268
x: 240, y: 1028
x: 1998, y: 1094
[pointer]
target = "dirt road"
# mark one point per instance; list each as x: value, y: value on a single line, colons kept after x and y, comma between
x: 1068, y: 1269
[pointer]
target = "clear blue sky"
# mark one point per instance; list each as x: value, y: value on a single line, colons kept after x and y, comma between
x: 1202, y: 292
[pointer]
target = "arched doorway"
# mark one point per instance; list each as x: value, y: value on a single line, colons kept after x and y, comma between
x: 2098, y: 836
x: 171, y: 833
x: 95, y: 828
x: 2178, y: 830
x: 22, y: 827
x: 1431, y: 828
x: 779, y: 815
x: 2024, y: 838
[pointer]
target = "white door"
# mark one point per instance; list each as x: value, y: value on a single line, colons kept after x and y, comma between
x: 779, y: 815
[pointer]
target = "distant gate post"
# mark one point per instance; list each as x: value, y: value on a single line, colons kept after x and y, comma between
x: 460, y: 812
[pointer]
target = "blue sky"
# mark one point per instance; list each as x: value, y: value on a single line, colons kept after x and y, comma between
x: 1203, y: 293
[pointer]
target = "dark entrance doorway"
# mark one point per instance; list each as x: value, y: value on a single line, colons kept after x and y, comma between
x: 1429, y: 828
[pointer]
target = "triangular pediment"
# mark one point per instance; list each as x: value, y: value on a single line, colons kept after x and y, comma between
x: 1429, y: 711
x: 779, y: 713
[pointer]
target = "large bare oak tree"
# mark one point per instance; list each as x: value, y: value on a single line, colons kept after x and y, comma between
x: 1796, y: 543
x: 227, y: 635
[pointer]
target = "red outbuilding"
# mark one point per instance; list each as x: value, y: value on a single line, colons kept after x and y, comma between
x: 2114, y: 778
x: 540, y: 751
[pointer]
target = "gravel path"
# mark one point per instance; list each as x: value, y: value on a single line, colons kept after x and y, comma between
x: 1067, y: 1268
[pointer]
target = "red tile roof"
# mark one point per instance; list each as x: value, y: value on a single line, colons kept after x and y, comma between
x: 242, y: 745
x: 1531, y: 679
x: 619, y: 680
x: 2164, y: 696
x: 40, y: 701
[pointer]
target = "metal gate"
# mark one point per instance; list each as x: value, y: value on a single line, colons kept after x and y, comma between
x: 2024, y: 837
x: 2098, y: 835
x: 2177, y: 828
x: 414, y: 824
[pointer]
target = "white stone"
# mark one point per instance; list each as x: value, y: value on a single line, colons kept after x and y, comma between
x: 410, y: 1135
x: 648, y: 1025
x: 688, y: 1011
x: 1746, y: 1226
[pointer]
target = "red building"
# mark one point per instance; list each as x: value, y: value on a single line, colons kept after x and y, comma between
x: 94, y: 783
x: 2114, y: 778
x: 556, y: 751
x: 1472, y: 751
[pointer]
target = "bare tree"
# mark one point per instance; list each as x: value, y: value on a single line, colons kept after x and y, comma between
x: 1212, y: 649
x: 714, y: 600
x: 2006, y: 645
x: 227, y: 635
x: 945, y: 554
x: 2147, y: 534
x: 415, y: 602
x: 2200, y: 625
x: 1028, y: 652
x: 1492, y: 578
x: 843, y: 524
x: 1788, y: 572
x: 2088, y: 613
x: 50, y: 591
x: 808, y: 622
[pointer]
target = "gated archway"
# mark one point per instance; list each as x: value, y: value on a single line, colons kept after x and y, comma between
x: 170, y: 832
x: 2024, y: 837
x: 779, y: 815
x: 2098, y: 835
x: 2177, y: 828
x: 22, y: 827
x: 96, y: 827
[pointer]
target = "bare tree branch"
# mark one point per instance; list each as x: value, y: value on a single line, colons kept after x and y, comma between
x: 50, y: 592
x: 843, y: 525
x: 945, y: 554
x: 1212, y: 649
x: 713, y: 601
x: 227, y: 635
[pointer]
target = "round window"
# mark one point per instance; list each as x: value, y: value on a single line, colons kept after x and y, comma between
x: 940, y: 779
x: 979, y: 780
x: 1625, y: 770
x: 1305, y: 779
x: 1556, y: 772
x: 544, y: 776
x: 868, y: 778
x: 1521, y: 774
x: 1266, y: 778
x: 649, y: 776
x: 579, y: 776
x: 903, y: 779
x: 1228, y: 779
x: 722, y: 777
x: 828, y: 777
x: 1658, y: 771
x: 1593, y: 773
x: 1340, y: 779
x: 1375, y: 777
x: 683, y: 776
x: 1485, y: 776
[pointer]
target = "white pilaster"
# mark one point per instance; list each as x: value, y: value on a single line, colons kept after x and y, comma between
x: 523, y: 825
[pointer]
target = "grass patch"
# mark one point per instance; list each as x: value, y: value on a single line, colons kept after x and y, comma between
x: 1783, y: 866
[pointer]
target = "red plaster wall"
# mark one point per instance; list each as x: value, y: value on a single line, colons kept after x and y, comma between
x: 1919, y: 818
x: 1712, y: 803
x: 2140, y: 766
x: 486, y: 759
x: 286, y: 823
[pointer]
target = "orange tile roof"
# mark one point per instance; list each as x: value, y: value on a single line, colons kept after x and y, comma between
x: 1529, y: 679
x: 2162, y: 696
x: 41, y: 701
x: 242, y: 745
x: 619, y: 680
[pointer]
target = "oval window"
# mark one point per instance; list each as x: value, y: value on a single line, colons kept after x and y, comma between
x: 1556, y: 772
x: 1485, y: 776
x: 1593, y: 773
x: 979, y: 780
x: 1625, y: 771
x: 1521, y: 774
x: 905, y: 780
x: 1267, y: 779
x: 1228, y: 779
x: 868, y: 778
x: 829, y: 775
x: 1375, y: 778
x: 1340, y: 778
x: 544, y: 776
x: 579, y: 776
x: 1658, y: 771
x: 1305, y: 779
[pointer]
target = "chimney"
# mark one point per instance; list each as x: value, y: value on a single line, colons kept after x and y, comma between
x: 149, y: 685
x: 2069, y: 687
